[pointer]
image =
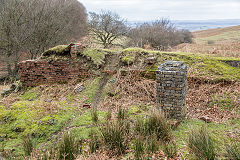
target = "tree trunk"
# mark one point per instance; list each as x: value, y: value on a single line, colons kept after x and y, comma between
x: 9, y: 69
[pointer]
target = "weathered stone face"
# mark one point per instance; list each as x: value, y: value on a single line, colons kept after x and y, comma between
x: 171, y: 88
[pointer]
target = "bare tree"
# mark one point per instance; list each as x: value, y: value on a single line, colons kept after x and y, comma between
x: 31, y: 26
x: 106, y: 27
x: 160, y: 34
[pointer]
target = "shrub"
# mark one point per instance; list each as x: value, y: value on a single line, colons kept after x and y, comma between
x: 94, y: 143
x: 233, y: 151
x: 160, y: 34
x: 201, y: 144
x: 68, y: 147
x: 27, y: 145
x: 115, y: 135
x: 139, y: 147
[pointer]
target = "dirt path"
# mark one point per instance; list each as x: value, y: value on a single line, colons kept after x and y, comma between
x: 111, y: 65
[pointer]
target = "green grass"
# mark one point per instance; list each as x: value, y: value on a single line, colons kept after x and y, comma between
x: 29, y: 95
x: 230, y: 35
x: 28, y: 118
x: 203, y: 66
x: 86, y: 119
x: 91, y: 88
x: 57, y: 50
x: 83, y: 132
x: 97, y: 55
x: 217, y: 131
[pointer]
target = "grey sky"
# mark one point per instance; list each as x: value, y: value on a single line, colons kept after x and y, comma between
x: 146, y: 10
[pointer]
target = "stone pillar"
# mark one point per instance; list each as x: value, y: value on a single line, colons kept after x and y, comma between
x: 171, y: 88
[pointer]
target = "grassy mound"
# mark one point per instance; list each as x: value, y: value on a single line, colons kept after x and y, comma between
x: 199, y: 65
x: 60, y: 50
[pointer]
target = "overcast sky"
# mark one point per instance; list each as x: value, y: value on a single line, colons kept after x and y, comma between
x: 134, y: 10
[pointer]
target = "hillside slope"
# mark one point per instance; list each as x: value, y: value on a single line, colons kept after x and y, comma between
x: 222, y: 42
x: 47, y: 111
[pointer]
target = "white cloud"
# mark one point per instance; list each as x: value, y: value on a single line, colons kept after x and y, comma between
x: 173, y: 9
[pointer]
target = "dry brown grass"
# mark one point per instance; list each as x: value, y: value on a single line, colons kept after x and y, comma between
x: 213, y: 32
x: 131, y: 89
x: 231, y: 49
x: 221, y: 42
x: 209, y: 100
x: 3, y: 87
x: 203, y: 99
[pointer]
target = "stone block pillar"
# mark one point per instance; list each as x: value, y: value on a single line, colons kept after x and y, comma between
x: 171, y: 88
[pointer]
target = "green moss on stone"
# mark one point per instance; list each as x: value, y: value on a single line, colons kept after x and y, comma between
x: 60, y: 50
x: 128, y: 59
x: 97, y: 55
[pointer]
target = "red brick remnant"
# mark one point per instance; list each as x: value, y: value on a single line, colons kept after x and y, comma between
x: 35, y: 72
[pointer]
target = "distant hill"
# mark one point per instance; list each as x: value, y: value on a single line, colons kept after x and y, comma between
x: 217, y: 31
x: 221, y: 41
x: 196, y: 25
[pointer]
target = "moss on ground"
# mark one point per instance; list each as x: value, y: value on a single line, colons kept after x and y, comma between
x: 83, y: 132
x: 90, y: 91
x: 28, y: 118
x: 86, y: 119
x: 29, y: 95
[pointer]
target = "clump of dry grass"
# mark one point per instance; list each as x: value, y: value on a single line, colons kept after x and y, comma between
x: 115, y: 136
x: 201, y: 144
x: 131, y: 89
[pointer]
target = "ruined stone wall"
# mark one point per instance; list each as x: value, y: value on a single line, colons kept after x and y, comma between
x: 35, y: 72
x: 171, y: 88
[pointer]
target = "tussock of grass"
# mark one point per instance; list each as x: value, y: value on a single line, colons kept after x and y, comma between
x: 68, y: 147
x: 115, y: 136
x: 201, y: 144
x: 139, y: 148
x: 121, y: 114
x: 157, y: 125
x: 27, y: 145
x: 170, y: 149
x: 233, y: 151
x: 94, y: 142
